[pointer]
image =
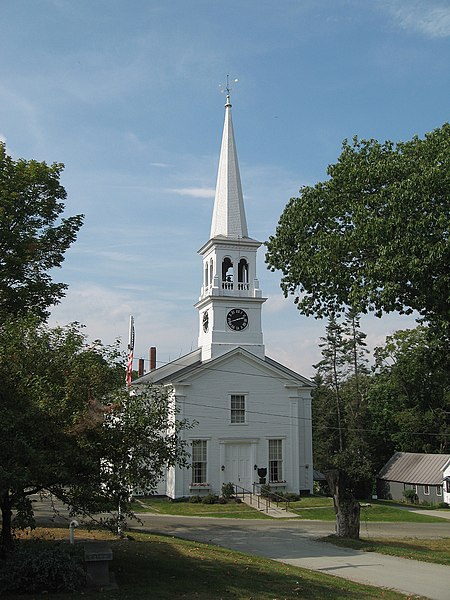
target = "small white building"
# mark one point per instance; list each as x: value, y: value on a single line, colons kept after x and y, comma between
x: 252, y: 412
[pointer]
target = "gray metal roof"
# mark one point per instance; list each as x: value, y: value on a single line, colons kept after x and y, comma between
x: 410, y: 467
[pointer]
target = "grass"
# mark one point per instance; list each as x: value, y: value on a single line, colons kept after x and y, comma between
x: 375, y: 511
x: 151, y: 566
x: 164, y: 506
x: 434, y: 551
x: 317, y: 508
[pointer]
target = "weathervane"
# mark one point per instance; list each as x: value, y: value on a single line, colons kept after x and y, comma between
x: 226, y: 87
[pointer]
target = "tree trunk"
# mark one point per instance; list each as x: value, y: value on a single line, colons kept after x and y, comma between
x: 345, y: 506
x: 6, y: 539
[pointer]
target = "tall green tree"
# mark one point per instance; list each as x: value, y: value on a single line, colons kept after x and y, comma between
x: 33, y: 234
x: 339, y: 406
x: 409, y: 395
x: 375, y: 235
x: 70, y: 427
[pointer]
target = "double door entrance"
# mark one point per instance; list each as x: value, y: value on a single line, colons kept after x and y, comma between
x: 238, y: 465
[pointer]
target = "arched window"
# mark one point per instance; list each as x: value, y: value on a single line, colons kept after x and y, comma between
x: 206, y: 274
x: 243, y: 274
x: 211, y: 271
x: 227, y: 274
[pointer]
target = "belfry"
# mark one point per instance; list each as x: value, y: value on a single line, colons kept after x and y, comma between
x: 252, y: 414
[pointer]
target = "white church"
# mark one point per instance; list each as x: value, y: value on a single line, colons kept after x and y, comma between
x: 252, y: 412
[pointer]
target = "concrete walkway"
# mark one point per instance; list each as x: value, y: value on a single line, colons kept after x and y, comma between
x: 293, y: 542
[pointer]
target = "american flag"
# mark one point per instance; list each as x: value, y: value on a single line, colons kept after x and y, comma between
x: 130, y: 353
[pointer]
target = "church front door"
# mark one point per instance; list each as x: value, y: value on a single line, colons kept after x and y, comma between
x: 238, y: 468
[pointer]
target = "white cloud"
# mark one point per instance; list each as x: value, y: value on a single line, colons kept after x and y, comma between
x: 429, y: 18
x: 194, y: 192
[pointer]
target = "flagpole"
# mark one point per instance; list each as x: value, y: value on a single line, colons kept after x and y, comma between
x: 131, y: 336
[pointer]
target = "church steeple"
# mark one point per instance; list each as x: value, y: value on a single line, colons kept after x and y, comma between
x: 230, y: 299
x: 229, y: 214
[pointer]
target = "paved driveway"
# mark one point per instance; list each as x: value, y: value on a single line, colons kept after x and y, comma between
x: 293, y: 542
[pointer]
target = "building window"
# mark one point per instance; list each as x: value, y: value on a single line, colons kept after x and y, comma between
x: 447, y: 485
x: 416, y: 488
x: 426, y: 490
x: 275, y: 460
x: 439, y: 490
x: 237, y: 408
x: 199, y: 461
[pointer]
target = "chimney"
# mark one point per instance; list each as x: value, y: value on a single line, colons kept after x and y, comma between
x: 152, y: 358
x: 141, y: 367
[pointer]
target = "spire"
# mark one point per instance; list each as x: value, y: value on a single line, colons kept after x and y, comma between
x: 229, y: 214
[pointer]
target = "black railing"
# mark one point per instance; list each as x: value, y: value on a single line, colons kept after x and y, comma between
x: 266, y: 501
x: 277, y: 498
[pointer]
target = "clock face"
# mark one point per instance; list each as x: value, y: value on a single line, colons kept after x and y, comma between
x: 205, y: 321
x: 237, y: 319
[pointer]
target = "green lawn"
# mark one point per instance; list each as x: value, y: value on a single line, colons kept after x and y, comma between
x: 316, y: 508
x: 150, y: 566
x: 435, y: 551
x: 374, y: 512
x: 166, y: 507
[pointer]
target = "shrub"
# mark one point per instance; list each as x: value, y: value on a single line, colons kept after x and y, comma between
x: 291, y: 496
x: 209, y: 499
x: 195, y: 499
x: 266, y: 491
x: 39, y: 566
x: 181, y: 499
x: 410, y: 496
x: 443, y: 505
x: 222, y: 500
x: 228, y: 490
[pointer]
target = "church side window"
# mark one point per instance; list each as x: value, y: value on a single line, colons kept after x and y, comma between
x: 211, y: 271
x: 237, y: 408
x: 206, y: 275
x: 199, y: 461
x: 275, y: 460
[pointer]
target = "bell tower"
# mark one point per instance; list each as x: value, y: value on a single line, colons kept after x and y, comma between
x: 230, y: 300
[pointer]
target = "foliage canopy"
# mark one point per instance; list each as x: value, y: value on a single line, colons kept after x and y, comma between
x: 375, y: 235
x: 33, y: 237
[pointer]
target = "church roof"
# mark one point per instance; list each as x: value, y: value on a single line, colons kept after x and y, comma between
x: 190, y: 364
x: 229, y: 214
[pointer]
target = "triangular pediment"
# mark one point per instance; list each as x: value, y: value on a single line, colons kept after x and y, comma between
x: 185, y: 369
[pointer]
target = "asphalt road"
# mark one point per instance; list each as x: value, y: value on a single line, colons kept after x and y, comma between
x: 295, y: 542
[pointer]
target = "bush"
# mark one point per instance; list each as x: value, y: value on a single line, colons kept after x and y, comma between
x: 181, y: 499
x: 209, y: 499
x: 291, y: 496
x: 410, y: 496
x: 228, y: 490
x: 443, y: 505
x: 222, y: 500
x: 39, y: 566
x: 266, y: 491
x: 195, y: 500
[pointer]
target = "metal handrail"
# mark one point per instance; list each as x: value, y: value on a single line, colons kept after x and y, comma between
x: 278, y: 499
x: 259, y: 499
x: 267, y: 499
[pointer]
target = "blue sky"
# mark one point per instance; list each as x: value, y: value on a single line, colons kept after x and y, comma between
x: 126, y: 94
